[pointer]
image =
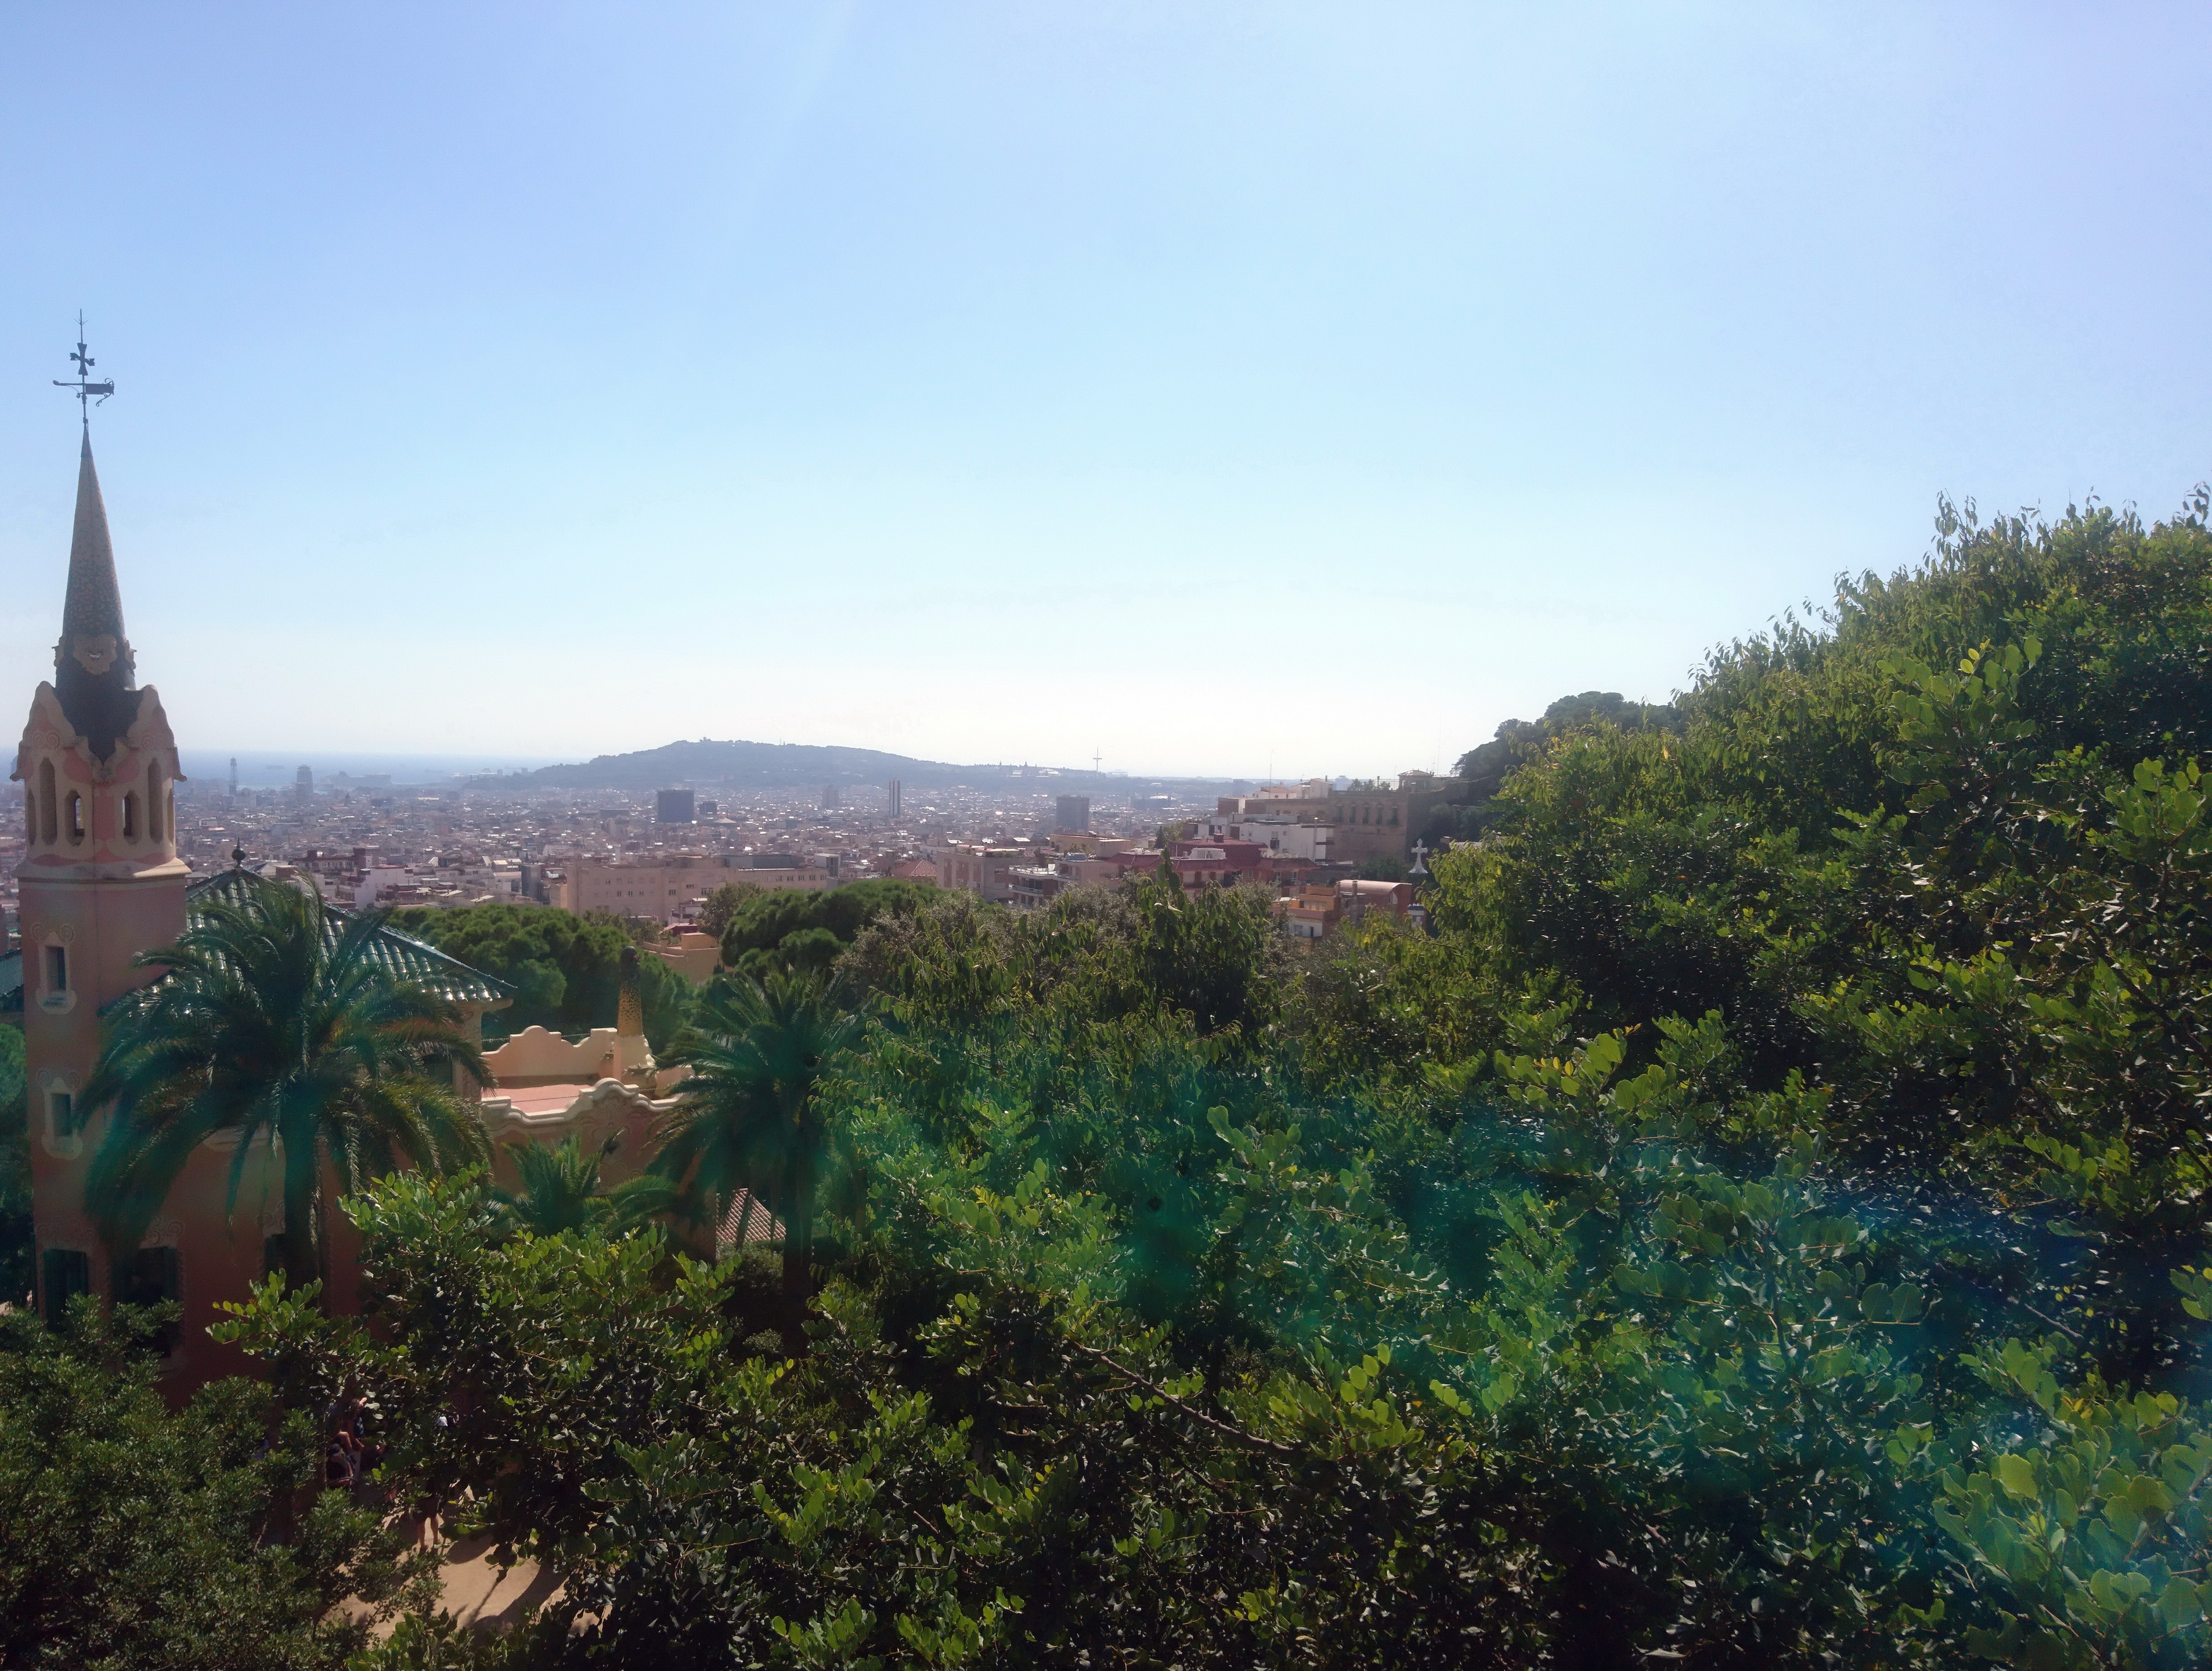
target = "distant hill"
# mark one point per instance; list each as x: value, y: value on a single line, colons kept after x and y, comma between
x: 739, y: 765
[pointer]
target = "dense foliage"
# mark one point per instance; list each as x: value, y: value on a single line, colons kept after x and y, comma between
x: 792, y: 930
x: 131, y: 1537
x: 721, y: 905
x: 566, y: 970
x: 1482, y: 770
x: 15, y: 1234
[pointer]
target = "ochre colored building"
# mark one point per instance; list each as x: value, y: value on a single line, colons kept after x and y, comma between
x: 1364, y: 823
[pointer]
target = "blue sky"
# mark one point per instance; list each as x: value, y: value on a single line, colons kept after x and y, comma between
x: 1228, y: 388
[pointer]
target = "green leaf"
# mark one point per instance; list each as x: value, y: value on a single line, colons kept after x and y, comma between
x: 2017, y: 1475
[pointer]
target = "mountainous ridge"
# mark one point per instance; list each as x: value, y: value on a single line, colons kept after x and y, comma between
x: 746, y: 765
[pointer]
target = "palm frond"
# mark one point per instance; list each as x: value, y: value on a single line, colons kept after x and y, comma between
x: 749, y: 1119
x: 269, y: 1025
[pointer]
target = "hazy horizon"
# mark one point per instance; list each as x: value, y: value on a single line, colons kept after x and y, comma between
x: 268, y: 768
x: 1253, y: 389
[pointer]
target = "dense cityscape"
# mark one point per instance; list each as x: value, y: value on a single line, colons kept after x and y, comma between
x: 657, y: 856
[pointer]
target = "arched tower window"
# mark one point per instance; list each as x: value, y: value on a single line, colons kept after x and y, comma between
x: 130, y: 817
x: 46, y: 802
x: 155, y: 822
x: 76, y: 818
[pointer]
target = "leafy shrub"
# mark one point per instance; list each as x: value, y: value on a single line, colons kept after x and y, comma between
x: 136, y: 1537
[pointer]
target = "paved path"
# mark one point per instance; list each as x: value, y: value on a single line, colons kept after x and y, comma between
x: 478, y: 1593
x: 486, y: 1596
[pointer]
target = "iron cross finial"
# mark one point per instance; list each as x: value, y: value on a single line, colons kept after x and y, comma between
x: 82, y: 385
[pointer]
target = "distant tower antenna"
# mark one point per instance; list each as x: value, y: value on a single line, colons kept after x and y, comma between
x: 1096, y: 760
x: 88, y: 393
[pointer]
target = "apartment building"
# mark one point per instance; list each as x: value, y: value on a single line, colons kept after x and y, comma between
x: 976, y: 869
x: 665, y: 884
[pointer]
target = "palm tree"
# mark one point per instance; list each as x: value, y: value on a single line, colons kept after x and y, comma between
x: 277, y: 1022
x: 561, y: 1192
x: 750, y: 1117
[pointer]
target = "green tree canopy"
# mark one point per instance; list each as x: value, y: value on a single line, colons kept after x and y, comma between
x: 1518, y: 740
x: 565, y: 969
x: 789, y: 928
x: 138, y: 1537
x: 722, y: 904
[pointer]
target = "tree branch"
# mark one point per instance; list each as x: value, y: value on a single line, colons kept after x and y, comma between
x: 1227, y: 1429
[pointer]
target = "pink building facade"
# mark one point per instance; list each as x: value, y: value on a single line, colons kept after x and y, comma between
x: 100, y: 882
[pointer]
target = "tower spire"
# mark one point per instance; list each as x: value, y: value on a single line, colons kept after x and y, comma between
x: 94, y: 672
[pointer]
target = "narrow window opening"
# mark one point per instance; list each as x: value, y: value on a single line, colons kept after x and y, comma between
x: 76, y: 818
x: 130, y: 817
x: 68, y: 1274
x: 149, y: 1277
x: 30, y: 813
x: 56, y: 969
x: 61, y: 1117
x: 155, y: 822
x: 46, y: 802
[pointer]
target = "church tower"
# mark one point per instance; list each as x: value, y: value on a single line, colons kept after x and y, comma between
x: 100, y: 882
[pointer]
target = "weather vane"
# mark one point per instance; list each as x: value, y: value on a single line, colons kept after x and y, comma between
x: 82, y: 386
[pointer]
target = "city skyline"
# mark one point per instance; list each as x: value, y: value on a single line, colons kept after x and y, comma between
x: 1266, y: 392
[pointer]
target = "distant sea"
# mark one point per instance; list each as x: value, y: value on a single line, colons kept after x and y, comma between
x: 267, y: 769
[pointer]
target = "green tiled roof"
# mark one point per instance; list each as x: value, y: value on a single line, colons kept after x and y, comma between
x: 401, y: 955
